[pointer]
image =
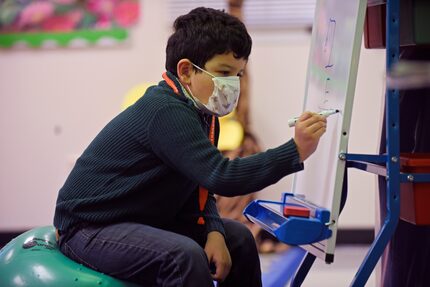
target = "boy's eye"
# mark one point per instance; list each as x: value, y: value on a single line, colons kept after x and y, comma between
x: 224, y: 73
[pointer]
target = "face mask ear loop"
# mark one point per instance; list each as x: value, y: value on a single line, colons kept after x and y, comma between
x: 203, y: 70
x: 189, y: 91
x: 194, y: 99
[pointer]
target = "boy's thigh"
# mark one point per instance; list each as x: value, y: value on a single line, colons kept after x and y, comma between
x: 130, y: 250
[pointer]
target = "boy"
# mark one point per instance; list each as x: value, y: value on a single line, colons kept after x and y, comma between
x: 139, y: 204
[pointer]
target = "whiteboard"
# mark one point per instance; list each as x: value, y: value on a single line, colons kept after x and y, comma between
x: 330, y: 84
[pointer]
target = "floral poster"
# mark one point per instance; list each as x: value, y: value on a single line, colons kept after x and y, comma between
x: 65, y: 22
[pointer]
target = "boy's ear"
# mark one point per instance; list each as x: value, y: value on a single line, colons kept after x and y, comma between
x: 184, y: 70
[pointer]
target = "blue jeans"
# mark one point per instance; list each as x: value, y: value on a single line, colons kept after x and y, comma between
x: 156, y: 257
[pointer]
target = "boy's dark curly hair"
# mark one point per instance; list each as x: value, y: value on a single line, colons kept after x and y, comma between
x: 203, y: 33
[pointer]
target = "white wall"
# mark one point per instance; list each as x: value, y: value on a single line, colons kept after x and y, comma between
x: 53, y: 102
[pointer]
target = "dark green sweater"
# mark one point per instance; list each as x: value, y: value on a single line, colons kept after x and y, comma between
x: 147, y: 163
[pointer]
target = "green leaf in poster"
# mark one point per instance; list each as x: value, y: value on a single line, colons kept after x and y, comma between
x: 61, y: 39
x: 60, y: 9
x: 8, y: 13
x: 87, y: 21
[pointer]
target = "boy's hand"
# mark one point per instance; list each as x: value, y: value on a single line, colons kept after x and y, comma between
x: 309, y: 128
x: 218, y: 255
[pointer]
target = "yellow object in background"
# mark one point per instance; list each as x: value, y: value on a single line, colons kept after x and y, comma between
x: 231, y: 131
x: 134, y: 94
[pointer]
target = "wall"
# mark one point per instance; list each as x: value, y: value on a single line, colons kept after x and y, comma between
x: 53, y: 102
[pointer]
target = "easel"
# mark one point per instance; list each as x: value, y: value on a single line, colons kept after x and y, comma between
x: 387, y: 165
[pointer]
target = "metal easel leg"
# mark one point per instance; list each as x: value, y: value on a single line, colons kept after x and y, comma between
x: 303, y: 270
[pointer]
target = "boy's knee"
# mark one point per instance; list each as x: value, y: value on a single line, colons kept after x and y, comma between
x: 238, y: 232
x: 247, y: 238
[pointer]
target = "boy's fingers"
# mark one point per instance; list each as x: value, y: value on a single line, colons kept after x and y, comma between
x: 306, y: 115
x: 317, y: 126
x: 318, y: 133
x: 313, y: 119
x: 220, y: 273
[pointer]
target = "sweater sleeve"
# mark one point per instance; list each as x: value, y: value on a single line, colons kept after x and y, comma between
x: 176, y: 137
x: 212, y: 218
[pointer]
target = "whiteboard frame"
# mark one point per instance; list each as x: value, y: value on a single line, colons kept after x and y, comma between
x: 325, y: 249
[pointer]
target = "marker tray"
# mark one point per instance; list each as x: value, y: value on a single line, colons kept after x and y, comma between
x: 293, y: 230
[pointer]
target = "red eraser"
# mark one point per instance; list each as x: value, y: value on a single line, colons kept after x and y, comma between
x: 300, y: 211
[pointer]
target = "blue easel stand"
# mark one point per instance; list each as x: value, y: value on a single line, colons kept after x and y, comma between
x: 387, y: 165
x: 392, y: 162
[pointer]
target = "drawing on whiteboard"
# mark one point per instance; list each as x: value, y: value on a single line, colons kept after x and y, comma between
x: 325, y: 98
x: 328, y: 43
x: 329, y: 39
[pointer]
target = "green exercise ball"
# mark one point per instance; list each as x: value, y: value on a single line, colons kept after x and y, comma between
x: 33, y: 259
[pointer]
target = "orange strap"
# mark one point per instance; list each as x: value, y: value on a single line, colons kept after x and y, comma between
x: 203, y: 192
x: 170, y: 83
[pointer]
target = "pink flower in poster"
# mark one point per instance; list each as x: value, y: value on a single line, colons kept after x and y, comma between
x: 63, y: 23
x: 35, y: 13
x: 76, y: 16
x: 101, y: 8
x: 126, y: 13
x: 103, y: 24
x: 58, y: 24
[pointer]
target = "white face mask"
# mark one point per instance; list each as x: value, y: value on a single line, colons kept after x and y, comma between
x: 224, y: 97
